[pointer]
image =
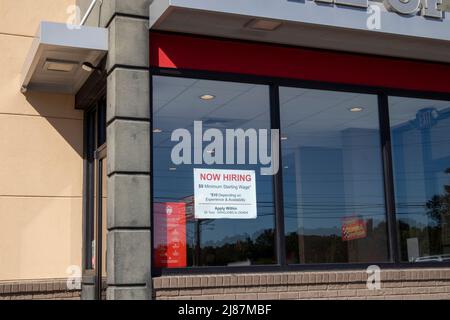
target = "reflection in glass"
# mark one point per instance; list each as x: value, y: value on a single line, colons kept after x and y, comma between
x: 334, y: 202
x: 420, y: 131
x: 181, y: 240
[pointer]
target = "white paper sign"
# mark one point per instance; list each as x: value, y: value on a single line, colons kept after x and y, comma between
x: 225, y: 194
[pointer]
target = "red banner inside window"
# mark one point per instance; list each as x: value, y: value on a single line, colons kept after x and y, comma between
x: 170, y: 235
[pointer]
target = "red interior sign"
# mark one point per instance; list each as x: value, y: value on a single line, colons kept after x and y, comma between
x: 170, y: 235
x: 353, y: 228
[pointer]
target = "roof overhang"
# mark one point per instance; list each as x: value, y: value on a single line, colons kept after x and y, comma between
x: 57, y: 54
x: 311, y: 24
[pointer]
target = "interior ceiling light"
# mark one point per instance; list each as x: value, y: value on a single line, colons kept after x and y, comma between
x: 157, y: 130
x: 284, y: 138
x: 59, y: 65
x: 263, y: 24
x: 172, y: 169
x: 207, y: 97
x: 356, y: 109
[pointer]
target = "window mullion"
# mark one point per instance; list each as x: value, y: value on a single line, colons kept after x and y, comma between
x: 278, y: 178
x: 388, y: 177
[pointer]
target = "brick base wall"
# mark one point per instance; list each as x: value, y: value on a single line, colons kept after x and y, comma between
x: 395, y: 284
x: 47, y: 289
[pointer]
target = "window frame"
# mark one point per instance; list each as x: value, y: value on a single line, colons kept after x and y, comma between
x: 94, y: 148
x: 274, y: 84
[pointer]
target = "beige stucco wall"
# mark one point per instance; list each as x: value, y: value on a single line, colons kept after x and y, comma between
x: 40, y: 157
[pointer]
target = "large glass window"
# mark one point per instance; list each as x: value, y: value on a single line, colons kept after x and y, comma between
x: 181, y: 239
x: 334, y: 204
x: 332, y: 207
x: 420, y: 133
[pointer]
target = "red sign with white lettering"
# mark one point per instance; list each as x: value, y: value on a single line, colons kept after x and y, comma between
x: 353, y: 228
x: 170, y: 235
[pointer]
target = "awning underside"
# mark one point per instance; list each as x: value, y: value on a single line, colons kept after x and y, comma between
x: 57, y: 55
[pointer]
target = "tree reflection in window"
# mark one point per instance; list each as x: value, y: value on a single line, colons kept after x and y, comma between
x: 421, y: 157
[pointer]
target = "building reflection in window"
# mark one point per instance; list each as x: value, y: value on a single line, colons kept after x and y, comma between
x: 178, y: 102
x: 420, y: 131
x: 334, y: 202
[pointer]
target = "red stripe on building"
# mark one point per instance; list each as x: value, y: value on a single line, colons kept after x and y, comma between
x: 206, y: 54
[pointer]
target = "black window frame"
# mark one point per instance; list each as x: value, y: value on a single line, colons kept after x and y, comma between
x: 95, y: 148
x: 274, y: 84
x: 94, y: 145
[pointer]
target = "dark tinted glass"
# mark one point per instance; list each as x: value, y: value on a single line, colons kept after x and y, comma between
x: 186, y: 241
x: 334, y: 200
x: 101, y: 123
x: 420, y: 131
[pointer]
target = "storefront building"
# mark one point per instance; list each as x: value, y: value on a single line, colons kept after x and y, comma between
x: 342, y: 169
x: 41, y: 161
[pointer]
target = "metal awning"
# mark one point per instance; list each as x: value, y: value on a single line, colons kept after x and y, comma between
x: 62, y: 57
x: 314, y: 24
